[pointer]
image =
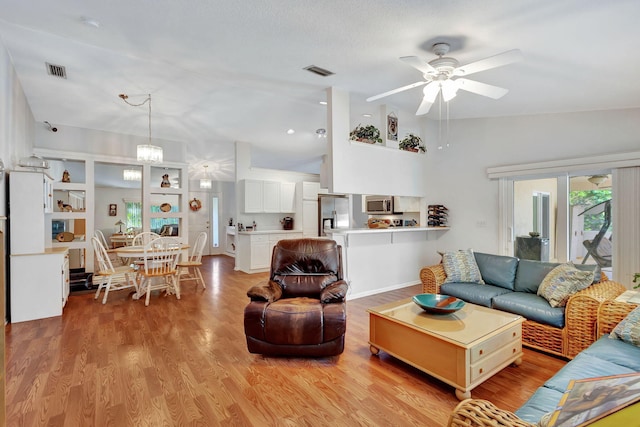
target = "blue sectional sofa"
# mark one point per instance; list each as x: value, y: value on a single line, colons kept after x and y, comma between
x: 511, y: 285
x: 604, y: 357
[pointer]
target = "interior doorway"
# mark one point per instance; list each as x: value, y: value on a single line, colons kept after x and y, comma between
x: 206, y: 219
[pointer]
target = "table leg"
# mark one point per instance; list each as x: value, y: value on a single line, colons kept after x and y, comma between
x: 374, y: 350
x: 462, y: 395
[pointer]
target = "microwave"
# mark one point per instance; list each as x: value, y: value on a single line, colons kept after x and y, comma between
x: 379, y: 204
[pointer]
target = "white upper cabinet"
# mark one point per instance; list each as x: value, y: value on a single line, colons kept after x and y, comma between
x: 269, y: 196
x: 406, y: 204
x: 287, y: 197
x: 310, y: 190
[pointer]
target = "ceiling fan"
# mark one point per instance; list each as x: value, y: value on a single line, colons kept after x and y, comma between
x: 446, y: 75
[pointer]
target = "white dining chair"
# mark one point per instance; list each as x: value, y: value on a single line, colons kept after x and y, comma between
x: 158, y: 268
x: 141, y: 239
x: 115, y: 259
x: 107, y: 276
x: 190, y: 269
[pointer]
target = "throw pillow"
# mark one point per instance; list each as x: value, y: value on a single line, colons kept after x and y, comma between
x: 461, y: 267
x: 629, y: 329
x: 562, y: 282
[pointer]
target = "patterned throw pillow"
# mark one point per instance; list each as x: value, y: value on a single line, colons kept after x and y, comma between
x: 629, y: 329
x: 461, y: 267
x: 562, y: 282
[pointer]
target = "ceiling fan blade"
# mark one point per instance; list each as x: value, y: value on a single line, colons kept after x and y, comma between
x: 483, y: 89
x: 430, y: 93
x: 419, y: 64
x: 495, y: 61
x: 400, y: 89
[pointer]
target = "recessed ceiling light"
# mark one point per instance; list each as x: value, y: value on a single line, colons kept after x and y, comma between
x: 291, y: 132
x: 367, y: 115
x: 323, y: 102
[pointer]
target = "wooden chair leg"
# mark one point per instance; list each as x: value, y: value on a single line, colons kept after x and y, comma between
x: 199, y: 274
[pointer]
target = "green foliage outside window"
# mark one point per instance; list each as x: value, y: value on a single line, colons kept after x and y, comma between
x: 587, y: 199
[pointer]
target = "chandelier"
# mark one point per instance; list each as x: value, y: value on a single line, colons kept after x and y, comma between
x: 206, y: 181
x: 146, y: 153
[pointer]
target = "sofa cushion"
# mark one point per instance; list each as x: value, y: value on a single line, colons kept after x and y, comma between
x: 531, y: 273
x: 497, y: 270
x: 629, y: 329
x: 584, y: 366
x: 473, y: 292
x: 544, y: 400
x: 531, y: 307
x: 615, y: 351
x: 461, y: 267
x: 562, y: 282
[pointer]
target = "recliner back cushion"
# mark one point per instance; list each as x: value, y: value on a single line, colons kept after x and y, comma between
x: 531, y: 273
x: 304, y: 267
x: 497, y: 270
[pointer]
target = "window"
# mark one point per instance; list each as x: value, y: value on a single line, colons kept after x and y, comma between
x: 134, y: 215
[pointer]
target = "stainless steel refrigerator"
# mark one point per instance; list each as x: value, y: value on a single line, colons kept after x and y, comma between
x: 333, y: 212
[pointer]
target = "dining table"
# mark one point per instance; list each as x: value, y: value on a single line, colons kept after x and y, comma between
x: 138, y: 251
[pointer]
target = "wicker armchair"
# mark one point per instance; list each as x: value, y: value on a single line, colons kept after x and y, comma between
x: 579, y: 331
x: 479, y: 413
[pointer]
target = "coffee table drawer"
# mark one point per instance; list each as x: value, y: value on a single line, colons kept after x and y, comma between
x: 488, y: 347
x: 496, y: 360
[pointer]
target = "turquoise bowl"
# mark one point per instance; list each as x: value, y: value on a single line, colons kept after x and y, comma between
x: 428, y: 302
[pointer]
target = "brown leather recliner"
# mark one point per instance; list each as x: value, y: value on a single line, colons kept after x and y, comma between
x: 301, y: 310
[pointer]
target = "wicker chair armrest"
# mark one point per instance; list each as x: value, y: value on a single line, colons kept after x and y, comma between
x: 610, y: 313
x: 479, y: 413
x: 432, y: 277
x: 581, y: 314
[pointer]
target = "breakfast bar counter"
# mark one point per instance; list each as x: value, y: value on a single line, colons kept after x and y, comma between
x: 382, y: 259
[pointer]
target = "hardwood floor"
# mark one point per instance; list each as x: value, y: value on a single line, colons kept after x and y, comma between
x: 185, y: 363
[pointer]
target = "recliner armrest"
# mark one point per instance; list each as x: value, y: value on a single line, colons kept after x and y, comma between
x: 266, y: 291
x: 335, y: 292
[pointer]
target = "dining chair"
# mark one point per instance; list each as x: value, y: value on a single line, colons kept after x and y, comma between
x: 190, y: 269
x: 107, y: 277
x: 158, y: 268
x: 115, y: 259
x: 141, y: 239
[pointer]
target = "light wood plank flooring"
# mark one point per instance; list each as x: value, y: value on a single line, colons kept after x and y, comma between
x: 185, y: 363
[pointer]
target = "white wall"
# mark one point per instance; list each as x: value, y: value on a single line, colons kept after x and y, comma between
x: 458, y: 179
x: 97, y: 142
x: 16, y: 121
x: 106, y: 196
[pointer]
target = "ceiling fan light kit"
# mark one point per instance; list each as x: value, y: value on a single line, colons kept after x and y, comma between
x: 444, y: 76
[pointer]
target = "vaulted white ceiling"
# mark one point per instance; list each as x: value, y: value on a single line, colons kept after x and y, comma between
x: 225, y: 71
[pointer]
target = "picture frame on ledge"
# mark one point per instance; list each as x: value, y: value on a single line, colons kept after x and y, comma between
x: 392, y: 127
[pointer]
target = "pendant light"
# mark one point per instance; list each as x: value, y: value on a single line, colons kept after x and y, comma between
x: 146, y: 153
x: 206, y: 181
x: 132, y: 175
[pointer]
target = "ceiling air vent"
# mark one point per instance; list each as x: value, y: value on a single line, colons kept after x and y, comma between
x: 56, y: 70
x: 319, y: 71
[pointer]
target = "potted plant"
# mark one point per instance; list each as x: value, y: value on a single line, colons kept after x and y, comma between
x: 636, y: 276
x: 369, y: 134
x: 412, y: 143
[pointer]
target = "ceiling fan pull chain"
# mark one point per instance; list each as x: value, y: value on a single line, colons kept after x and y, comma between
x: 448, y: 125
x: 440, y: 122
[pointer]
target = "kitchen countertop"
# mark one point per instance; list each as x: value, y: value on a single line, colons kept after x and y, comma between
x: 270, y: 232
x: 381, y: 230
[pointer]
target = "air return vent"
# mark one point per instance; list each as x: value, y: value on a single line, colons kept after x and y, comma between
x: 56, y: 70
x: 319, y: 71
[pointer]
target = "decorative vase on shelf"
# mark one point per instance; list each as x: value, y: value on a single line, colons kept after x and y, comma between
x: 367, y: 134
x: 412, y: 143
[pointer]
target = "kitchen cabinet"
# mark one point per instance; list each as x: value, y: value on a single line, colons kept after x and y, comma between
x: 310, y: 190
x: 269, y: 196
x: 406, y: 204
x: 287, y: 197
x: 310, y: 218
x: 30, y: 205
x: 39, y: 284
x: 254, y: 248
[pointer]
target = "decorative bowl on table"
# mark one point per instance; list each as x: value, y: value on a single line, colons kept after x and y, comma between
x: 438, y: 304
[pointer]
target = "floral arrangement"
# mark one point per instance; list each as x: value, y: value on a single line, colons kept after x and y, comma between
x: 412, y: 143
x: 369, y: 134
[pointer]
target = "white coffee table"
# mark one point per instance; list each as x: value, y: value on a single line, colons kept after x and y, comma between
x: 462, y: 349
